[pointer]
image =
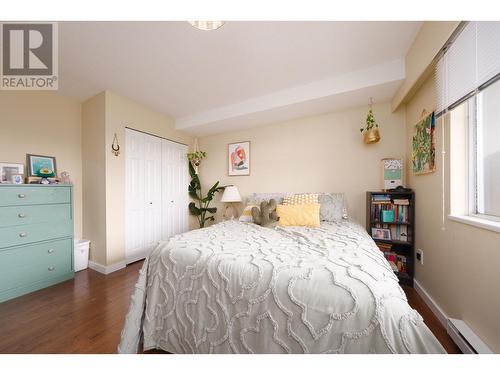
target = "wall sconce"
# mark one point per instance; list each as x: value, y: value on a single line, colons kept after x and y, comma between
x: 115, y: 146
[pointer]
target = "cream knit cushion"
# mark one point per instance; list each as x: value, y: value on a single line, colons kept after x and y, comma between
x: 300, y: 199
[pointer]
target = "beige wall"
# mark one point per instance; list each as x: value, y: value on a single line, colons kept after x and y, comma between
x: 460, y: 270
x: 105, y: 115
x: 322, y: 153
x: 44, y: 123
x: 94, y: 173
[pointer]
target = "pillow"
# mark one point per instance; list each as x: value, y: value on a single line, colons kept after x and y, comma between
x: 306, y: 215
x: 332, y: 207
x: 300, y: 199
x: 246, y: 216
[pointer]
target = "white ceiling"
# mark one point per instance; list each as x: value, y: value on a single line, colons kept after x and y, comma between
x: 243, y: 74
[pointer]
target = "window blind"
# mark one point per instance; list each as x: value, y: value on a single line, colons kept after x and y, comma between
x: 469, y: 62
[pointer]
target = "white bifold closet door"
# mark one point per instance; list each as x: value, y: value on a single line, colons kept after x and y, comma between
x: 156, y: 192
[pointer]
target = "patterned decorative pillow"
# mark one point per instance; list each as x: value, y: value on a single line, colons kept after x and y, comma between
x: 332, y: 207
x: 300, y: 199
x: 246, y: 216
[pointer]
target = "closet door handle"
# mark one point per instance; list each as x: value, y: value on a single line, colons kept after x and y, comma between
x: 23, y: 234
x: 50, y: 251
x: 21, y: 216
x: 51, y: 268
x: 21, y: 195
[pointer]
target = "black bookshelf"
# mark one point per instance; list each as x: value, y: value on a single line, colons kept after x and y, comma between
x: 401, y: 247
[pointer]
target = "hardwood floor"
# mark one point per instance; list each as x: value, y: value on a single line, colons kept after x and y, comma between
x: 86, y: 315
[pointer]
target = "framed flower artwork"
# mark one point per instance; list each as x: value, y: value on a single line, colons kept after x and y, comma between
x: 238, y: 159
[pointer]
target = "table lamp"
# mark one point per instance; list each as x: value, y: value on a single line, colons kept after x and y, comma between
x: 230, y: 195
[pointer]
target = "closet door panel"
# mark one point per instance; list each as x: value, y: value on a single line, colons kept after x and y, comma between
x: 152, y: 191
x: 135, y: 194
x: 175, y: 183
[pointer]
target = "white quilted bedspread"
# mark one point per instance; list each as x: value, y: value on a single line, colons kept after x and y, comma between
x: 240, y: 288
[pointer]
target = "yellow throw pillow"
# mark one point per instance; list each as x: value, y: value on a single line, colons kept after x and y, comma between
x: 300, y: 199
x: 299, y: 215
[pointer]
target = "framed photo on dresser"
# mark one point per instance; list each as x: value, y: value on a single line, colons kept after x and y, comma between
x: 37, y: 162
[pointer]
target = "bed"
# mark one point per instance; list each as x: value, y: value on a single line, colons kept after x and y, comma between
x: 240, y: 288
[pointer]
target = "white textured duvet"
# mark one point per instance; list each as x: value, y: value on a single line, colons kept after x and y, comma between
x: 240, y: 288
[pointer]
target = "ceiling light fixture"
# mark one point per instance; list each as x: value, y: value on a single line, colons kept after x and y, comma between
x: 206, y: 25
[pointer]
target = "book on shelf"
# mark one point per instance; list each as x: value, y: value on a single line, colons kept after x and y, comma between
x: 401, y: 202
x: 397, y: 262
x: 390, y: 213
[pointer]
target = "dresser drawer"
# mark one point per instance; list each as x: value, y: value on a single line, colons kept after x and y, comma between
x: 27, y: 195
x: 25, y: 234
x: 22, y: 215
x: 29, y: 264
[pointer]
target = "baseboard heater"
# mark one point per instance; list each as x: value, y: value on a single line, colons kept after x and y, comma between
x: 465, y: 338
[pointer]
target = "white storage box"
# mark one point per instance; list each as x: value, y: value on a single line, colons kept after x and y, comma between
x: 81, y: 255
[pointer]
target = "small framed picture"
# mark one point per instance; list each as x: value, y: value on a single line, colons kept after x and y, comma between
x: 38, y: 162
x: 7, y: 170
x: 238, y: 159
x: 381, y: 234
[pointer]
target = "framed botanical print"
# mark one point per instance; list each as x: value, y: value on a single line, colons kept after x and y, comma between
x: 238, y: 159
x: 37, y: 162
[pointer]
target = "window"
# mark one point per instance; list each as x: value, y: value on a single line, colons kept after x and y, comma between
x: 468, y: 96
x: 487, y: 158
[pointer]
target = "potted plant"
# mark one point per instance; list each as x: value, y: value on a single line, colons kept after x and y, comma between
x: 200, y: 206
x: 371, y: 131
x: 195, y: 159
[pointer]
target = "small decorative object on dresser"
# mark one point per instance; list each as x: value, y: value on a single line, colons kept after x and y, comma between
x: 238, y: 159
x: 390, y: 219
x: 7, y: 170
x: 37, y: 163
x: 231, y: 195
x: 65, y: 178
x: 36, y: 237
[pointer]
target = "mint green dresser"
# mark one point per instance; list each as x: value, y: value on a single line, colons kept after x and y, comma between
x: 36, y: 237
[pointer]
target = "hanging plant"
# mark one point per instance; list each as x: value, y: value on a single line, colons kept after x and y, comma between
x: 195, y: 159
x: 371, y: 131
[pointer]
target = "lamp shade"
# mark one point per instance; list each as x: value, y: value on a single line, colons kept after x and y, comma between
x: 231, y: 194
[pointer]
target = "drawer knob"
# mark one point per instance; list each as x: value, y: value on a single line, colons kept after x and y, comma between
x: 21, y: 195
x: 50, y: 251
x: 51, y: 268
x: 23, y: 234
x: 21, y: 216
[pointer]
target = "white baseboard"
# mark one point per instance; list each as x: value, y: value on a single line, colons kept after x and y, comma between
x: 443, y: 318
x: 106, y: 269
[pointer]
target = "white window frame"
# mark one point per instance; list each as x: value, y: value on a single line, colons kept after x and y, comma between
x: 473, y: 200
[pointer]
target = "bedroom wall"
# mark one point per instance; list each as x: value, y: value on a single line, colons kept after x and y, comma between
x: 321, y: 153
x: 44, y: 123
x: 460, y: 270
x: 94, y: 173
x: 106, y: 114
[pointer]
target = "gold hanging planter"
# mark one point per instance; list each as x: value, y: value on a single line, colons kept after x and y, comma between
x: 371, y: 136
x: 371, y: 133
